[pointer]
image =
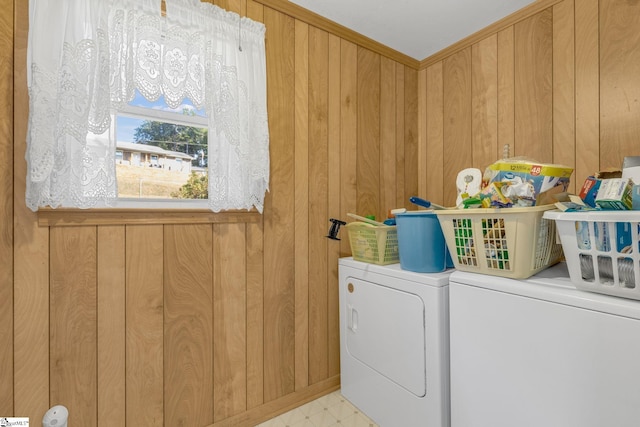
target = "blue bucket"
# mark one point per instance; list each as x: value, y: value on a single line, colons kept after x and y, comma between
x: 421, y: 244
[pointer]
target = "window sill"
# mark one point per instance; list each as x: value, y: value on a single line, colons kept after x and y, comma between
x: 81, y: 217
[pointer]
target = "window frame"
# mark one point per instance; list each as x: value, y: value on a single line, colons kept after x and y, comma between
x: 148, y: 211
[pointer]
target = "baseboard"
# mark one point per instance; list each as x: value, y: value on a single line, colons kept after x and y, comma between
x: 272, y: 409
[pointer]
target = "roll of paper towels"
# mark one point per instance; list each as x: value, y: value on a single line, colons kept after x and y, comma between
x: 468, y: 181
x: 56, y: 417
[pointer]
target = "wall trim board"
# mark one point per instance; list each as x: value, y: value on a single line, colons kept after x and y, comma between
x: 281, y: 405
x: 343, y: 32
x: 497, y: 26
x: 62, y: 217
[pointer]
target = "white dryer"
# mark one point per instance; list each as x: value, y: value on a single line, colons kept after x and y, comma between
x: 539, y: 352
x: 394, y: 343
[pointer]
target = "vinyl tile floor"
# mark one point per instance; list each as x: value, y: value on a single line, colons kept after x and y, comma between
x: 331, y: 410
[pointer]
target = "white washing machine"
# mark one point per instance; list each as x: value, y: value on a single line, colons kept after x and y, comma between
x: 394, y: 343
x: 539, y: 352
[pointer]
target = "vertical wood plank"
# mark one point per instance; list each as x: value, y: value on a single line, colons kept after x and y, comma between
x: 30, y: 257
x: 318, y: 168
x: 6, y: 205
x: 368, y: 170
x: 279, y: 300
x: 387, y: 135
x: 564, y: 125
x: 188, y: 320
x: 333, y: 205
x: 533, y: 87
x: 457, y: 120
x: 411, y: 165
x: 401, y: 118
x: 484, y: 100
x: 424, y: 116
x: 506, y: 90
x: 255, y: 289
x: 348, y: 134
x: 144, y: 325
x: 229, y: 321
x: 619, y: 88
x: 73, y: 352
x: 434, y: 163
x: 237, y: 6
x: 111, y: 325
x: 587, y: 90
x: 255, y: 315
x: 301, y: 225
x: 255, y: 11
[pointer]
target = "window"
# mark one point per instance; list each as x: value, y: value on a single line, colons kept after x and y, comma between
x: 172, y: 147
x: 88, y: 60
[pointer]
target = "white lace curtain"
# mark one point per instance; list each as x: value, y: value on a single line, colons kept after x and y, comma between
x: 86, y: 58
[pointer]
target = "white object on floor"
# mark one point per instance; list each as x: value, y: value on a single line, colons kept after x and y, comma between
x: 539, y: 352
x: 394, y: 348
x: 56, y: 417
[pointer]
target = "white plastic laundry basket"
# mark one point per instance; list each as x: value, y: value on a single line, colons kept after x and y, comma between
x: 602, y: 250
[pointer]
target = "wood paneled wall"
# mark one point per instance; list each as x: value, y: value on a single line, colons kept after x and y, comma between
x: 558, y: 82
x: 220, y: 322
x: 197, y: 323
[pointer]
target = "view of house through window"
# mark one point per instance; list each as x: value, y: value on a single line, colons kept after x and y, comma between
x: 161, y: 152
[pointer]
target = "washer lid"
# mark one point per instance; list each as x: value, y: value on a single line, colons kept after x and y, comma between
x: 552, y: 284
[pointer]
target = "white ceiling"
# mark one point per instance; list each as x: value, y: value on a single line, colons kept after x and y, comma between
x: 417, y: 28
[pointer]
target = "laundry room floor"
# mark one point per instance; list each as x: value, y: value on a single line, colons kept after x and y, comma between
x: 331, y: 410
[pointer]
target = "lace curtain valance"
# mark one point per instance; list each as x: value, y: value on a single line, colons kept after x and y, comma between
x: 86, y: 58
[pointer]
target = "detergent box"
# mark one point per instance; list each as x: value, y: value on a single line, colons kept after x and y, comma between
x: 528, y: 183
x: 589, y: 190
x: 615, y: 193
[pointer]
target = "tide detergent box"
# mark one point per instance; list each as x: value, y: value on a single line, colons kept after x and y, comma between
x: 526, y: 182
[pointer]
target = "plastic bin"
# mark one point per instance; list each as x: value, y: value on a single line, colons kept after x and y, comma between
x: 508, y: 242
x: 373, y: 244
x: 602, y: 250
x: 421, y: 243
